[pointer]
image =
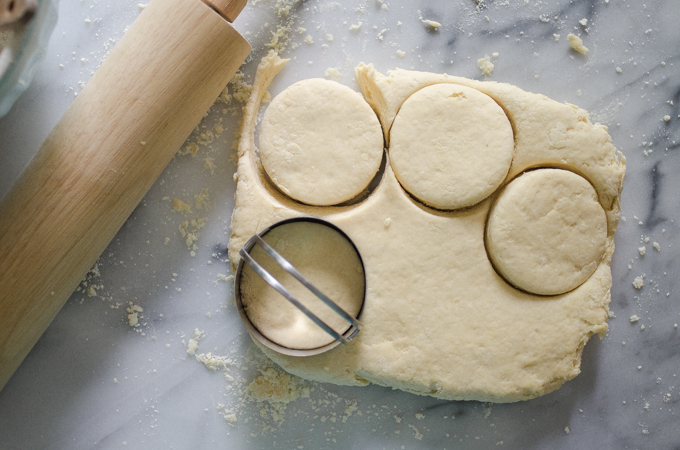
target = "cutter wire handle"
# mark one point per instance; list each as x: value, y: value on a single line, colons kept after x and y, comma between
x: 288, y: 267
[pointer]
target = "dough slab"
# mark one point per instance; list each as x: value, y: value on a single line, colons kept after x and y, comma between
x: 320, y: 142
x: 438, y: 319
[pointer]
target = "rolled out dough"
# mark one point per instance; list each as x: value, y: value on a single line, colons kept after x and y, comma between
x: 327, y: 260
x: 438, y: 319
x: 547, y: 232
x: 320, y: 142
x: 450, y: 146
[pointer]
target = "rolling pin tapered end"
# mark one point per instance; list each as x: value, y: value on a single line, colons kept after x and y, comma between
x: 229, y: 9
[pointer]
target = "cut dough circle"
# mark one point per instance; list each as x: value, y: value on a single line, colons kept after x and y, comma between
x: 547, y: 231
x: 320, y: 142
x: 451, y: 146
x: 323, y: 256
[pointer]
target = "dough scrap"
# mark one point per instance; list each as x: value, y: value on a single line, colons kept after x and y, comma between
x: 450, y: 146
x: 327, y: 260
x: 577, y: 44
x: 320, y: 142
x: 438, y: 320
x: 547, y: 232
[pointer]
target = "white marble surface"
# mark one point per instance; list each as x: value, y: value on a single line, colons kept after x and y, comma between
x: 92, y: 381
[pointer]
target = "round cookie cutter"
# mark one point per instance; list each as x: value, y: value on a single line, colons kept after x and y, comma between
x: 246, y: 259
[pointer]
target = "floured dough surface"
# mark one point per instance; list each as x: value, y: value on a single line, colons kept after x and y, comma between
x: 438, y: 319
x: 320, y: 142
x: 450, y: 146
x: 327, y: 260
x: 547, y: 231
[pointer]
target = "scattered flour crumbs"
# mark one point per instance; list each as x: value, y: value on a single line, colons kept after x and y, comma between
x: 260, y: 393
x: 273, y: 388
x: 188, y: 229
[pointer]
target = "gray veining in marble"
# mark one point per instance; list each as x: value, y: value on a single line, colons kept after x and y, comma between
x: 64, y: 395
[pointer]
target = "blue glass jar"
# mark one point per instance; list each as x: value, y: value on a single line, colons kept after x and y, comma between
x: 23, y: 53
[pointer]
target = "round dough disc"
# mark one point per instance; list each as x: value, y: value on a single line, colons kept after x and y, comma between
x: 320, y: 142
x: 323, y: 256
x: 450, y: 146
x: 547, y: 231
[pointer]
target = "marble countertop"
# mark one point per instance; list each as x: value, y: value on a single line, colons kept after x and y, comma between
x: 93, y: 381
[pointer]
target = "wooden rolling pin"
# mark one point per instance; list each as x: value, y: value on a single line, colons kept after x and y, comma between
x: 103, y: 156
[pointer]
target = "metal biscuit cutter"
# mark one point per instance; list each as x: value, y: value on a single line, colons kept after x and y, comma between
x: 246, y: 258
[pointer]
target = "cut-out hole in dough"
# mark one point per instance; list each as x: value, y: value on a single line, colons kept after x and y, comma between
x: 546, y: 231
x: 451, y: 146
x: 320, y: 142
x: 328, y: 260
